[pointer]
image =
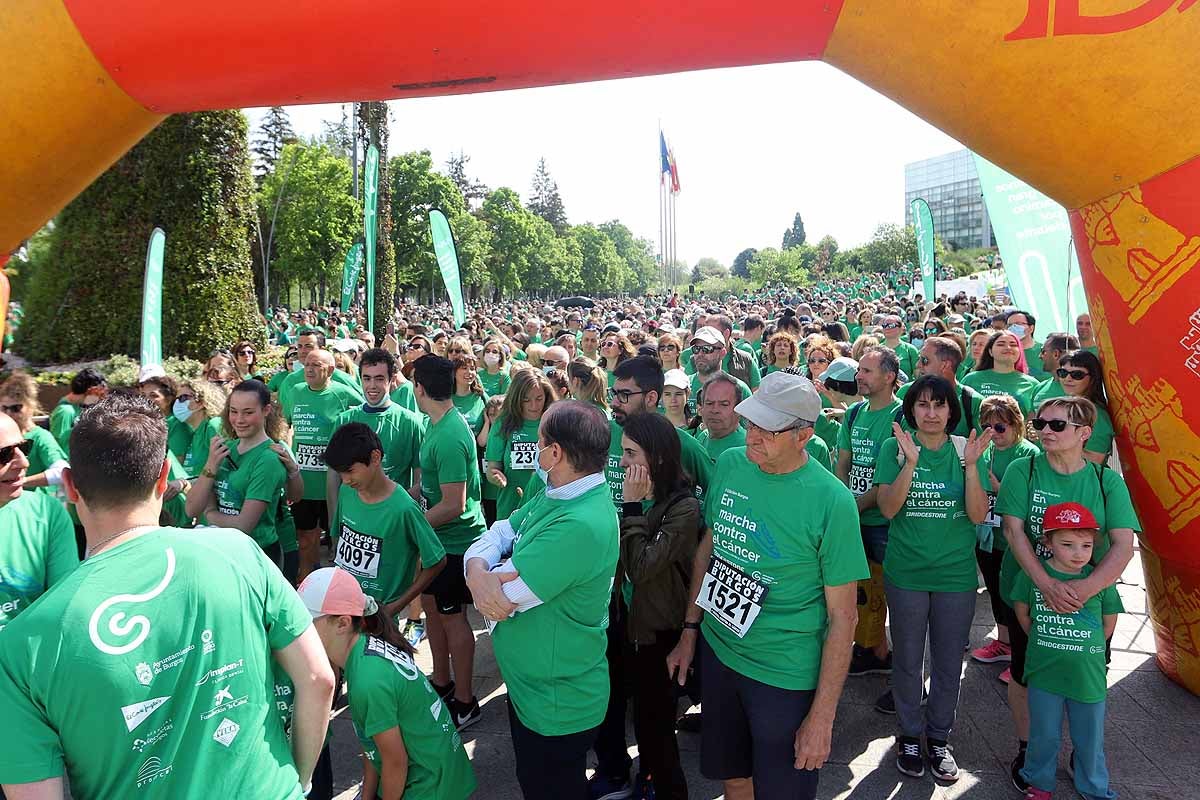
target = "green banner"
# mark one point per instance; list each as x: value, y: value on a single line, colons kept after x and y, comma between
x: 5, y: 291
x: 152, y: 300
x: 370, y: 201
x: 1034, y: 237
x: 923, y: 225
x: 447, y: 258
x: 350, y: 271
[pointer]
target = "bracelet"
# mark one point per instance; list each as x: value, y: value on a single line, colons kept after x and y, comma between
x: 691, y: 626
x: 208, y: 473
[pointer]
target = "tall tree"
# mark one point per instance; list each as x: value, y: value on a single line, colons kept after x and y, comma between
x: 545, y: 201
x: 373, y: 129
x: 741, y: 264
x: 644, y: 273
x: 336, y: 135
x: 794, y: 236
x: 513, y: 237
x: 711, y: 268
x: 602, y: 269
x: 273, y: 133
x: 473, y: 190
x: 191, y: 177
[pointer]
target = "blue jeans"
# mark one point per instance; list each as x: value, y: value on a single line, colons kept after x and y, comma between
x: 1086, y: 721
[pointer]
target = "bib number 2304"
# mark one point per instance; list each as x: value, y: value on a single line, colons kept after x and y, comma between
x: 732, y: 597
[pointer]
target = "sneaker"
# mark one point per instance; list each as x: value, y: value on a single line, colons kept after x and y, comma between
x: 445, y: 692
x: 1014, y: 770
x: 414, y: 631
x: 1005, y: 677
x: 941, y: 761
x: 886, y: 704
x: 865, y: 662
x: 1033, y: 793
x: 601, y: 787
x: 464, y: 714
x: 993, y: 652
x: 908, y: 756
x: 643, y: 787
x: 689, y: 723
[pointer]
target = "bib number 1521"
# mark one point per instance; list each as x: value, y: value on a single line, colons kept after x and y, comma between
x: 733, y: 598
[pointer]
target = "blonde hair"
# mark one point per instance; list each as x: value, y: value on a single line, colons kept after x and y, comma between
x: 1079, y: 410
x: 210, y: 396
x: 21, y: 386
x: 861, y: 344
x: 592, y: 378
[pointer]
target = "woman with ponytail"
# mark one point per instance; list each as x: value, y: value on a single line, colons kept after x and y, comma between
x: 407, y: 750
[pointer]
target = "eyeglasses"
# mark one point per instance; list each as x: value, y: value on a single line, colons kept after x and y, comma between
x: 622, y: 396
x: 8, y: 452
x: 818, y: 360
x: 998, y: 427
x: 1056, y: 425
x: 217, y: 381
x: 752, y: 428
x: 1073, y: 374
x: 415, y: 346
x: 184, y: 398
x: 15, y: 408
x: 458, y: 351
x: 245, y: 351
x: 662, y: 348
x: 923, y: 361
x: 705, y: 349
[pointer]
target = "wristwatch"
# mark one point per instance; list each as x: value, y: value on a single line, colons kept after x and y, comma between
x: 207, y: 473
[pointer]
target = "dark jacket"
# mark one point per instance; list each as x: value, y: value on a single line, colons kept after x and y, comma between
x: 656, y: 555
x: 739, y: 363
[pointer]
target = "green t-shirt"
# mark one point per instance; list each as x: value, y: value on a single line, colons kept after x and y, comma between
x: 819, y: 451
x: 404, y: 397
x: 1033, y: 360
x: 37, y: 550
x: 870, y: 430
x: 1035, y: 395
x: 770, y: 565
x: 379, y: 543
x: 1098, y: 489
x: 494, y: 384
x: 448, y: 456
x: 176, y: 507
x: 715, y: 447
x: 256, y: 474
x: 1066, y: 651
x: 552, y: 656
x: 698, y: 388
x: 827, y: 430
x: 177, y: 696
x: 285, y: 527
x: 387, y: 690
x: 754, y: 374
x: 693, y: 457
x: 46, y: 451
x: 931, y: 541
x: 517, y: 455
x: 195, y: 455
x: 990, y: 383
x: 471, y: 407
x: 276, y: 381
x: 907, y: 356
x: 179, y: 437
x: 295, y: 380
x: 1000, y: 461
x: 400, y: 432
x: 62, y: 420
x: 313, y: 416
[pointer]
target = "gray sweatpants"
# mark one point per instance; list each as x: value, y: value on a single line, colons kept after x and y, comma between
x: 946, y: 618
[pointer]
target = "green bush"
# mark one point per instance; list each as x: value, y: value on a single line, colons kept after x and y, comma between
x: 191, y: 177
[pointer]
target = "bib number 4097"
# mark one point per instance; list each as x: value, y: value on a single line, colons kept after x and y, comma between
x: 733, y: 598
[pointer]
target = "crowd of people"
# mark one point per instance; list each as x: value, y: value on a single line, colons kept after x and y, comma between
x: 734, y: 502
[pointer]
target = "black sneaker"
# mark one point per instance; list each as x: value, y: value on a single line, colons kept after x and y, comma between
x: 1018, y: 764
x: 886, y: 704
x: 865, y: 662
x: 908, y: 756
x: 941, y: 761
x: 464, y: 714
x: 689, y: 723
x: 445, y: 692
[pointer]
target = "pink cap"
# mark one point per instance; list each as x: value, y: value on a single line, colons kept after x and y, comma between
x: 335, y: 592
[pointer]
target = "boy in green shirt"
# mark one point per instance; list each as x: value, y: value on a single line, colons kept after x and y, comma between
x: 1065, y: 662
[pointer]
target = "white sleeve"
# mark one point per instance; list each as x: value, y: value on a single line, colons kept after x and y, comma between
x: 518, y: 591
x: 495, y: 544
x: 54, y: 472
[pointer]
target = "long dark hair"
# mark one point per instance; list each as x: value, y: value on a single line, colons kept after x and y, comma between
x: 381, y: 626
x: 659, y: 440
x: 1087, y: 360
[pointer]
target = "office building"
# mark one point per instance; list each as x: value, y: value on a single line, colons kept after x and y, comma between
x: 950, y: 184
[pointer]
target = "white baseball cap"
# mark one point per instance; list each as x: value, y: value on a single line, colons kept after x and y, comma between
x: 782, y: 400
x: 708, y: 335
x: 150, y: 371
x: 677, y: 378
x: 333, y: 591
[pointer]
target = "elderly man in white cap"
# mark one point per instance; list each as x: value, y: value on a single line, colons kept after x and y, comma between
x: 775, y: 583
x: 708, y: 353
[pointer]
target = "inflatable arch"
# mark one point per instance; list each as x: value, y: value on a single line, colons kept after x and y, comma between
x: 1094, y: 102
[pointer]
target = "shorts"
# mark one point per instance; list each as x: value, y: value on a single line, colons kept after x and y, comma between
x: 748, y: 730
x: 875, y: 539
x: 311, y: 515
x: 449, y: 587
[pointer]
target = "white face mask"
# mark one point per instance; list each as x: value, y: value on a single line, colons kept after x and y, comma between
x: 491, y: 359
x: 1017, y: 330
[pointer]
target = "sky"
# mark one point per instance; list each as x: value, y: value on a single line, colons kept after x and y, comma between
x: 753, y: 145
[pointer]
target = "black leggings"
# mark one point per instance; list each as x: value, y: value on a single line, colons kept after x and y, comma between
x: 989, y: 567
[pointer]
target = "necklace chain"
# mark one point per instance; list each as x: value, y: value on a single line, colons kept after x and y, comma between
x: 93, y: 549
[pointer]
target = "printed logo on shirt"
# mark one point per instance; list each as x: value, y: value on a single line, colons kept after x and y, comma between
x: 154, y: 737
x: 120, y: 625
x: 151, y: 770
x: 223, y: 672
x: 226, y: 732
x: 137, y: 713
x: 400, y: 659
x: 224, y: 701
x: 207, y: 638
x: 143, y: 673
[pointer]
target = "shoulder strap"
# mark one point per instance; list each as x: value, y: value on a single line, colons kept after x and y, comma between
x: 852, y: 413
x: 1100, y: 468
x: 964, y: 400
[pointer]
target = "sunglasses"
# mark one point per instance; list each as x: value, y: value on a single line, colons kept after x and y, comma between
x: 13, y: 409
x: 1073, y: 374
x: 415, y: 346
x: 932, y: 331
x: 704, y: 349
x: 246, y: 351
x: 9, y: 452
x: 1056, y: 425
x: 998, y: 427
x: 457, y: 352
x: 818, y: 360
x: 887, y: 326
x: 662, y: 348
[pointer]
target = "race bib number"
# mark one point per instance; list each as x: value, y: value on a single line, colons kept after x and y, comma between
x: 309, y: 457
x: 992, y: 519
x: 860, y: 477
x: 731, y: 596
x: 358, y: 553
x: 524, y: 455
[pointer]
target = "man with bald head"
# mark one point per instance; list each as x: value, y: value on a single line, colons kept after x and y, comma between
x: 312, y: 408
x: 556, y: 356
x: 37, y: 539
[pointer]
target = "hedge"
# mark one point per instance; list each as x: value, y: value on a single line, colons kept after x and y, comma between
x: 191, y: 177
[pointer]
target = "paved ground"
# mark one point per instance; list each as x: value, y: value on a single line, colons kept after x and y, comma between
x: 1152, y: 735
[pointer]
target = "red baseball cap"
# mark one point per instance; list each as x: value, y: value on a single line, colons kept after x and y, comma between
x: 1068, y: 516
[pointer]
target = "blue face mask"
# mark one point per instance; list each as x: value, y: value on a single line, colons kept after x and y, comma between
x: 542, y: 474
x: 1017, y: 330
x: 917, y: 342
x: 297, y: 366
x: 181, y: 410
x: 546, y: 370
